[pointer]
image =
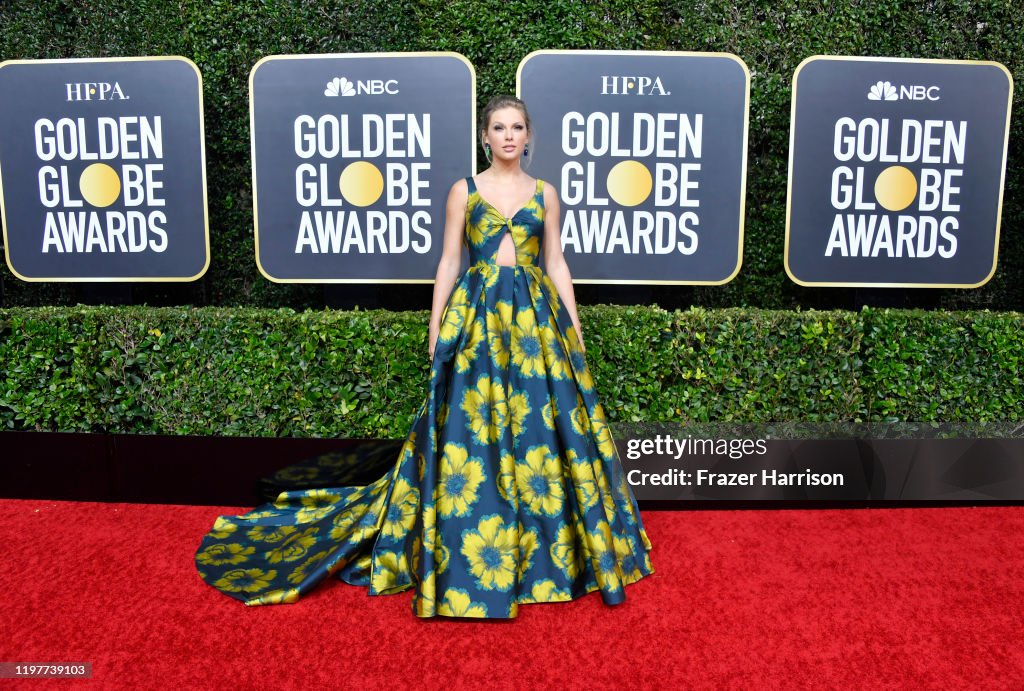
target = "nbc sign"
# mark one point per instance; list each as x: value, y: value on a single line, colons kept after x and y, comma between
x: 353, y: 157
x: 896, y: 172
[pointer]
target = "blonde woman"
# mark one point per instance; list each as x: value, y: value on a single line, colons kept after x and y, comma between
x: 508, y: 489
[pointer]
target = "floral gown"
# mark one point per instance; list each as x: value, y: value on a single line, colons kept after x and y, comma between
x: 508, y: 489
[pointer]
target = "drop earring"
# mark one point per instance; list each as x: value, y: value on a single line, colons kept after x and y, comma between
x: 487, y: 152
x: 526, y: 150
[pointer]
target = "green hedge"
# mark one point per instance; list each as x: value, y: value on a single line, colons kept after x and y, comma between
x: 225, y: 38
x: 253, y: 372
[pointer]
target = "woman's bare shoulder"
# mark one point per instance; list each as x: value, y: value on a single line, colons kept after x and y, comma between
x: 550, y: 192
x: 459, y: 190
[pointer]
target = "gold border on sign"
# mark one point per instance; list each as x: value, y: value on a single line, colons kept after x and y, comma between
x: 202, y: 162
x: 252, y: 150
x: 1002, y: 176
x: 743, y: 166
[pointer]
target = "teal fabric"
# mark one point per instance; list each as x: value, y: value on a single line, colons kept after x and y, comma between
x: 508, y: 489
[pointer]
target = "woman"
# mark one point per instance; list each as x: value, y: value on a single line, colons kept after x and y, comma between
x: 508, y: 489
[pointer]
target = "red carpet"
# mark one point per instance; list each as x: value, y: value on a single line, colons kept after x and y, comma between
x: 879, y: 598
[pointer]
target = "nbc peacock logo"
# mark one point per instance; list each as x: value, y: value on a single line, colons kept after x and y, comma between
x: 340, y: 86
x: 882, y: 91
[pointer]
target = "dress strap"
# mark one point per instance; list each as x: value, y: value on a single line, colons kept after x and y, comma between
x: 472, y: 184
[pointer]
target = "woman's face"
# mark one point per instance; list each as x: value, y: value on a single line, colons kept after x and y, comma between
x: 507, y: 133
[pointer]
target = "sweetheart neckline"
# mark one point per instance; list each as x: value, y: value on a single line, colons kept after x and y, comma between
x: 476, y: 188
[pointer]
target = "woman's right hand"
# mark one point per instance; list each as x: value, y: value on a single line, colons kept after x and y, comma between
x: 432, y: 340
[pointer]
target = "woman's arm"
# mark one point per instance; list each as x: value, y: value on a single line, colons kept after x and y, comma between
x: 451, y: 257
x: 554, y: 260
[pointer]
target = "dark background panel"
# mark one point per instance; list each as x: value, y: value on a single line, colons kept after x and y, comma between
x: 828, y: 90
x: 240, y: 471
x: 169, y: 89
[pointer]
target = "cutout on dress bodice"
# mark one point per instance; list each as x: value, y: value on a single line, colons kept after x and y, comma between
x: 506, y: 254
x: 494, y: 238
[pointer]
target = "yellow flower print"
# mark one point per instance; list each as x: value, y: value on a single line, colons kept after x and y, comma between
x: 528, y: 250
x: 457, y: 484
x: 428, y: 526
x: 604, y: 555
x: 222, y: 528
x: 519, y: 408
x: 545, y: 591
x: 424, y: 600
x: 527, y: 546
x: 491, y: 550
x: 507, y: 479
x: 299, y: 574
x: 266, y: 513
x: 645, y: 539
x: 580, y: 420
x: 316, y: 503
x: 578, y: 363
x: 543, y: 291
x: 440, y: 554
x: 540, y: 483
x: 219, y: 554
x: 625, y: 548
x: 361, y: 567
x: 277, y: 597
x: 437, y: 552
x: 548, y: 286
x: 564, y: 552
x: 527, y: 352
x: 486, y: 409
x: 582, y: 480
x: 605, y: 491
x: 456, y: 314
x: 457, y: 603
x: 624, y: 497
x: 245, y: 580
x: 468, y: 352
x: 554, y: 358
x: 603, y: 437
x: 270, y: 533
x: 390, y: 572
x: 358, y: 523
x: 294, y: 547
x: 477, y: 230
x: 489, y: 272
x: 549, y: 412
x: 401, y: 510
x: 499, y: 332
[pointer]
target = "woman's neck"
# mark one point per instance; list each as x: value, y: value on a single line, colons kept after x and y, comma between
x: 505, y: 169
